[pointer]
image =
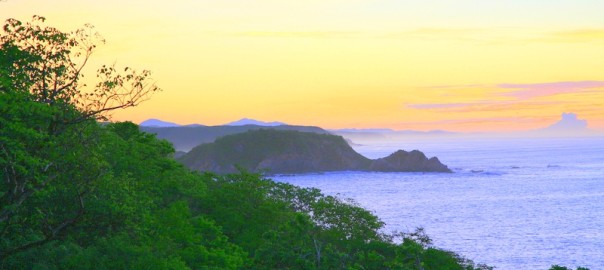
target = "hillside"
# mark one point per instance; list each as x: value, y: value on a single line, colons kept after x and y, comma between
x: 277, y: 152
x: 184, y: 138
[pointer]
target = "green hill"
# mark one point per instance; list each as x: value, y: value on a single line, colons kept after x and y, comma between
x: 276, y: 151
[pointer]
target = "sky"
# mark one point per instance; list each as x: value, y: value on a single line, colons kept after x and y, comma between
x: 458, y: 65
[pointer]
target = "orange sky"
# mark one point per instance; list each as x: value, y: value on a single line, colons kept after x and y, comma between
x: 464, y: 65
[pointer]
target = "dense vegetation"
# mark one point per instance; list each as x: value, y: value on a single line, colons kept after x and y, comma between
x: 79, y: 194
x: 142, y: 210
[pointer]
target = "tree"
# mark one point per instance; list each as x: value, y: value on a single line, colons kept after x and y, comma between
x: 144, y: 213
x: 37, y: 168
x: 48, y: 127
x: 48, y: 63
x: 558, y: 267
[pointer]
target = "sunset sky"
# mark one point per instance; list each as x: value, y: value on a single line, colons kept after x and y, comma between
x: 460, y: 65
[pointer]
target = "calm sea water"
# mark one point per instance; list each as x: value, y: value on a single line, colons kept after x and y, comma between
x: 511, y: 203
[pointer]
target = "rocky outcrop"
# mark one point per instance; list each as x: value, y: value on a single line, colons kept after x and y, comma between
x: 278, y: 152
x: 403, y: 161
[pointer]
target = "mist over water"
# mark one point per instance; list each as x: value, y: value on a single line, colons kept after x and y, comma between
x: 511, y: 203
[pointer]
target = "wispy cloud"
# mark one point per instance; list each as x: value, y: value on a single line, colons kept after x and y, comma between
x: 573, y: 36
x: 512, y: 97
x: 298, y: 34
x: 490, y: 120
x: 457, y: 34
x: 457, y: 86
x: 474, y: 123
x: 438, y: 106
x: 484, y: 106
x: 499, y: 36
x: 506, y: 106
x: 528, y: 91
x: 460, y: 34
x: 474, y: 35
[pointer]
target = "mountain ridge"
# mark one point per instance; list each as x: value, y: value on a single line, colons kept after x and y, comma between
x: 249, y: 121
x: 153, y: 122
x: 184, y: 138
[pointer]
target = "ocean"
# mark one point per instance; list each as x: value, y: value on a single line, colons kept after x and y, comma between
x: 511, y: 203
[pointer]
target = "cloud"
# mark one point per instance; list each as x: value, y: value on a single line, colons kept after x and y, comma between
x: 523, y: 96
x: 457, y: 86
x: 484, y: 106
x: 298, y: 34
x: 454, y: 33
x: 499, y: 36
x: 491, y: 120
x: 505, y: 106
x: 479, y: 121
x: 485, y: 36
x: 439, y: 106
x: 528, y: 91
x: 458, y: 34
x: 573, y: 36
x: 568, y: 122
x: 424, y: 34
x: 512, y: 106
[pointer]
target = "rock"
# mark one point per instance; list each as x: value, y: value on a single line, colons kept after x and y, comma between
x: 403, y: 161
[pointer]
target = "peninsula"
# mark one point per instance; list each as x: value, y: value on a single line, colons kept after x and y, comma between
x: 286, y: 151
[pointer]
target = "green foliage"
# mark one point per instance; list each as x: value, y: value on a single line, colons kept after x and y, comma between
x: 282, y: 226
x: 240, y: 203
x: 558, y: 267
x: 48, y: 63
x: 143, y: 213
x: 39, y: 166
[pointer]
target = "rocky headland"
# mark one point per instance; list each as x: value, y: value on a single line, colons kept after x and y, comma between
x: 284, y: 152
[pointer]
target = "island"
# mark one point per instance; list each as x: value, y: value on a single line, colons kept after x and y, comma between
x: 290, y: 152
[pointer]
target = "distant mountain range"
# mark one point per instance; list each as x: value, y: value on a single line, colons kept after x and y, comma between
x: 184, y: 138
x: 241, y: 122
x: 247, y: 121
x: 157, y: 123
x: 568, y: 124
